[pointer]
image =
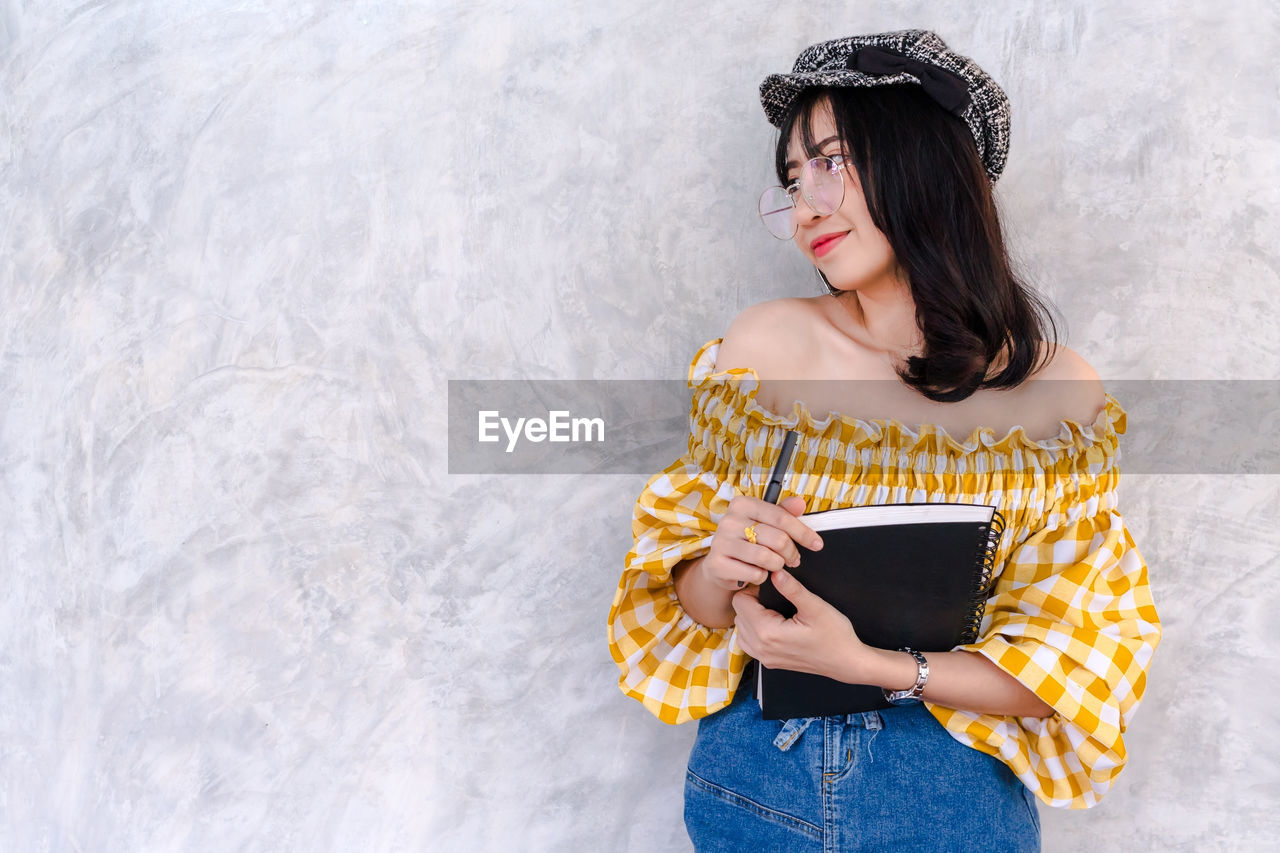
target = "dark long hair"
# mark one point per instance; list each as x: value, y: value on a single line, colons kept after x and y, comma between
x: 927, y: 191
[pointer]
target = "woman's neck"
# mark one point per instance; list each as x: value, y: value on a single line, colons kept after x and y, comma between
x: 882, y: 320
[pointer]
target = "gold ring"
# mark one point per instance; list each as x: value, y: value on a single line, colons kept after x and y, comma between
x: 750, y: 532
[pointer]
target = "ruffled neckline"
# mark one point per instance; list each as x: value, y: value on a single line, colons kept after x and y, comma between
x: 741, y: 384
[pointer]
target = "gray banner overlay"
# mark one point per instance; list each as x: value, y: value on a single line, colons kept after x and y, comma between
x: 639, y: 426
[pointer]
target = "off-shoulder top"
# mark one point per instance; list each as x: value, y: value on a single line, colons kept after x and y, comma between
x: 1070, y: 614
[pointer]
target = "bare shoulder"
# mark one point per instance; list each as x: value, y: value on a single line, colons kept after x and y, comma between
x: 1075, y: 386
x: 769, y: 337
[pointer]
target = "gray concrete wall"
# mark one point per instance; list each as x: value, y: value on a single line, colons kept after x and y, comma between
x: 244, y: 245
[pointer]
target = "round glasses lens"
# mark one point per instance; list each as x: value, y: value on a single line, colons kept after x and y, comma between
x: 822, y: 185
x: 775, y: 211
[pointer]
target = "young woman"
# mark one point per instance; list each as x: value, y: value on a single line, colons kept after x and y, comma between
x: 889, y: 145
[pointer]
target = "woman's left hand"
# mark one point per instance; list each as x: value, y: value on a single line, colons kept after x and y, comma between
x: 818, y: 639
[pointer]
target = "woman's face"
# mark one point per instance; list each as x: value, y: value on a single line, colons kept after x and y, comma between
x: 845, y: 245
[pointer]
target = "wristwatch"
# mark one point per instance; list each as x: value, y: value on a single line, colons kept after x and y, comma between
x: 914, y: 692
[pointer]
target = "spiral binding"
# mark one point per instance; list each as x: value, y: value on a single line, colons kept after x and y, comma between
x: 987, y: 545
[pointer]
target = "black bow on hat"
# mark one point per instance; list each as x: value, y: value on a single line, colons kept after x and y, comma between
x: 945, y: 87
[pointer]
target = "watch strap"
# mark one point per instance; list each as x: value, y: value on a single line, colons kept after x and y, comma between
x: 914, y: 692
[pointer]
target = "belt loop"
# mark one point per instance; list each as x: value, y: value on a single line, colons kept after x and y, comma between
x: 874, y: 723
x: 791, y: 731
x: 869, y: 720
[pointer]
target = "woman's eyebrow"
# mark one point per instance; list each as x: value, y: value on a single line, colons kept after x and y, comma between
x: 791, y: 164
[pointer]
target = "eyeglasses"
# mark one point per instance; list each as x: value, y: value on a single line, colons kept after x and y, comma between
x: 821, y: 182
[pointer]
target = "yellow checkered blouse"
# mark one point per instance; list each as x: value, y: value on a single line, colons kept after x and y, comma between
x: 1070, y: 615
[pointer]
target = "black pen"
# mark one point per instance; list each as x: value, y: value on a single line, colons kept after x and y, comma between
x: 774, y: 488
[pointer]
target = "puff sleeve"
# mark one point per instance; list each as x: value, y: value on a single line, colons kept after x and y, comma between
x: 1072, y: 618
x: 679, y: 669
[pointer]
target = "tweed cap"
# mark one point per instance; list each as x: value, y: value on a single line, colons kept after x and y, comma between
x: 904, y: 56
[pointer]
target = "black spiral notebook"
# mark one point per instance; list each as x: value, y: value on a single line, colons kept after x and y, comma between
x: 913, y: 575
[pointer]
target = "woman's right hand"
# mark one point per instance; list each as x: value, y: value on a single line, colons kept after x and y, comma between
x: 733, y: 561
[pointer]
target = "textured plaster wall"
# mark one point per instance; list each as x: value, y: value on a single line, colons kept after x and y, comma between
x: 244, y: 245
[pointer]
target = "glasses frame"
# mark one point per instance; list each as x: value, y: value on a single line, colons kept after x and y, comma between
x: 839, y: 163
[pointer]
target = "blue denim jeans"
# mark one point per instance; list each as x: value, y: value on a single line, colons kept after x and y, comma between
x: 876, y: 780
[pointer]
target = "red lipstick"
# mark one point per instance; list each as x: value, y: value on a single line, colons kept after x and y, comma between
x: 827, y: 242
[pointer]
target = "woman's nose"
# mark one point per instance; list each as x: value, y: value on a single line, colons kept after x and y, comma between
x: 806, y: 213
